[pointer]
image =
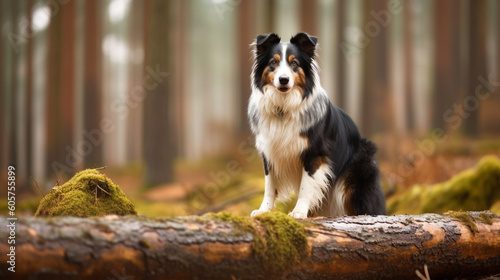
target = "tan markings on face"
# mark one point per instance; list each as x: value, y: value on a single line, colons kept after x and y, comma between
x: 268, y: 73
x: 277, y: 57
x: 268, y: 76
x: 300, y: 79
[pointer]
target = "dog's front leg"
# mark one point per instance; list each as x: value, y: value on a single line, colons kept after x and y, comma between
x: 269, y: 197
x: 311, y: 192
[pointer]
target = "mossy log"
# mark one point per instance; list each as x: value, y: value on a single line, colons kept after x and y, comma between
x: 454, y: 246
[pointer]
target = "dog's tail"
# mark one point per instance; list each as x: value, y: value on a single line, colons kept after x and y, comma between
x: 362, y: 185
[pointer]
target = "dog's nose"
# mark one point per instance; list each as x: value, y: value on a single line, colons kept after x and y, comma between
x: 284, y: 80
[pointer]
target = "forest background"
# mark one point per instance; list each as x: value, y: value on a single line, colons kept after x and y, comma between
x: 157, y: 92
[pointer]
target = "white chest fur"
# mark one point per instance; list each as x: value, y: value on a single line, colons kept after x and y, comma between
x: 277, y: 136
x: 280, y: 141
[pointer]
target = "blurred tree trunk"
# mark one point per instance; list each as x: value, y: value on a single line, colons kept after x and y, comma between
x: 327, y: 32
x: 55, y: 149
x: 196, y: 93
x: 159, y: 131
x: 340, y: 90
x: 497, y: 45
x: 246, y: 35
x: 423, y: 63
x: 60, y: 93
x: 362, y: 247
x: 408, y: 64
x: 356, y: 36
x: 92, y: 108
x: 79, y: 78
x: 7, y: 85
x: 67, y: 78
x: 20, y: 110
x: 477, y: 64
x: 29, y: 96
x: 397, y: 76
x: 114, y: 81
x: 3, y: 20
x: 179, y: 33
x: 135, y: 75
x: 447, y: 42
x: 489, y: 117
x: 308, y: 16
x: 39, y: 88
x: 264, y: 16
x: 374, y: 85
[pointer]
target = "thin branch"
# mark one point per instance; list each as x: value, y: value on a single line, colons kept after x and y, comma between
x: 36, y: 184
x: 102, y: 189
x: 224, y: 205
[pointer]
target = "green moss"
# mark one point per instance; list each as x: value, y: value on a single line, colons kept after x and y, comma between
x: 88, y: 193
x: 407, y: 202
x: 279, y: 240
x: 495, y: 208
x: 474, y: 190
x: 409, y: 220
x: 464, y: 218
x: 485, y: 218
x: 488, y: 146
x: 285, y: 239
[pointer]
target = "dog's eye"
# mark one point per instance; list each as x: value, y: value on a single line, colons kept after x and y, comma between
x: 294, y: 63
x: 274, y: 62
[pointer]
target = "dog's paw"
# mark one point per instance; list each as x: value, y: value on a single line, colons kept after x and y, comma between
x: 257, y: 212
x: 298, y: 215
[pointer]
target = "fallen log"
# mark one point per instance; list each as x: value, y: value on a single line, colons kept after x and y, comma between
x: 454, y: 246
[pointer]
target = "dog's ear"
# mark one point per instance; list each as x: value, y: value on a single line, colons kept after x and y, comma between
x: 305, y: 43
x: 264, y: 42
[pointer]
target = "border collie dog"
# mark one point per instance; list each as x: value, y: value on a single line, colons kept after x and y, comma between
x: 308, y: 145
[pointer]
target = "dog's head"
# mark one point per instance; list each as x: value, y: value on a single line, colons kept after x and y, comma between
x: 285, y: 66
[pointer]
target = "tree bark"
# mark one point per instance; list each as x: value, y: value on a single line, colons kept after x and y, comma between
x: 159, y: 109
x: 308, y: 16
x: 447, y: 71
x: 374, y: 84
x: 478, y: 11
x: 246, y: 34
x: 60, y: 85
x: 363, y: 247
x: 92, y: 86
x: 409, y: 49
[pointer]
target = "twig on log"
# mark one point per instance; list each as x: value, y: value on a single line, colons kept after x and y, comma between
x: 421, y: 276
x: 225, y: 204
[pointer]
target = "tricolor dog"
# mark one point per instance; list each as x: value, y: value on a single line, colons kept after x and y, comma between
x: 308, y: 145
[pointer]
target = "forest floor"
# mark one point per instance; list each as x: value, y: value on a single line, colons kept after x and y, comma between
x: 235, y: 182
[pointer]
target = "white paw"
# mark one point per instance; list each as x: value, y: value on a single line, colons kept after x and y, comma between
x: 298, y: 215
x: 257, y: 212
